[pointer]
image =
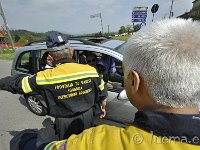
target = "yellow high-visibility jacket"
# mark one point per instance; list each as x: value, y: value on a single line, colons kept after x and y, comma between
x: 69, y: 89
x: 106, y: 137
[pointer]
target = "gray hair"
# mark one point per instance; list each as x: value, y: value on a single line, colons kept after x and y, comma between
x: 166, y: 55
x: 61, y: 54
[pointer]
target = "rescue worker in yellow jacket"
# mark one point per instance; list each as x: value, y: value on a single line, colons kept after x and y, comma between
x: 74, y: 93
x: 162, y: 80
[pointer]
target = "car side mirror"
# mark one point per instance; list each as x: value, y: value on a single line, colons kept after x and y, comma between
x: 122, y: 95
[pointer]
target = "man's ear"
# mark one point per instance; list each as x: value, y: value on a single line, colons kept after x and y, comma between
x: 135, y: 80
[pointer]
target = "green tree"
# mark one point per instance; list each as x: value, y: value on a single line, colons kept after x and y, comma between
x: 122, y: 30
x: 17, y: 38
x: 128, y: 29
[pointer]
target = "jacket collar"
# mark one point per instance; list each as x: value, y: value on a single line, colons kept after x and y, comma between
x: 67, y: 60
x: 168, y: 124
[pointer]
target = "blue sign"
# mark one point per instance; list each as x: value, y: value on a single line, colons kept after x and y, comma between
x: 140, y: 12
x: 139, y: 20
x: 139, y: 16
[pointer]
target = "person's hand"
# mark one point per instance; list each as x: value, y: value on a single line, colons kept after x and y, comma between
x: 103, y: 108
x: 103, y: 113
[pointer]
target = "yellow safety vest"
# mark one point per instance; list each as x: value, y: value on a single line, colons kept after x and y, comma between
x: 106, y: 137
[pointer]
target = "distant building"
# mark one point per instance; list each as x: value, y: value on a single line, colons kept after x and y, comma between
x: 194, y: 12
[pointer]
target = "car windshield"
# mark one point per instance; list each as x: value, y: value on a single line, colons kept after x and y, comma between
x: 120, y: 48
x: 117, y: 45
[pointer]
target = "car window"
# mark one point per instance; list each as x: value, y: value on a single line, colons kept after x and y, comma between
x: 40, y: 59
x: 41, y: 62
x: 23, y: 63
x: 29, y: 62
x: 108, y: 67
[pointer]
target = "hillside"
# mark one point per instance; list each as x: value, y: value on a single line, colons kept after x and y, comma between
x: 24, y: 36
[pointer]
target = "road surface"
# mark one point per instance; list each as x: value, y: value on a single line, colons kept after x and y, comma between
x: 15, y: 116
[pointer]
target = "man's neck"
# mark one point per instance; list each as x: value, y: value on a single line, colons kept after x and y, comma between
x: 66, y: 60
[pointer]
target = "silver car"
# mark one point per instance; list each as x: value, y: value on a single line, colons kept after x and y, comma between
x: 28, y: 60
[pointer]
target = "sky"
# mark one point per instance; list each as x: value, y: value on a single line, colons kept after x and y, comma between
x: 73, y: 16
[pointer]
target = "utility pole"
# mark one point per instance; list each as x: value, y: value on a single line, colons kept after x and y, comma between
x: 153, y: 17
x: 108, y: 29
x: 133, y: 26
x: 6, y: 25
x: 170, y: 13
x: 98, y: 15
x: 101, y: 23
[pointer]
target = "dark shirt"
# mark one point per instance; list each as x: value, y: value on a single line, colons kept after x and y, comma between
x: 186, y: 127
x: 108, y: 64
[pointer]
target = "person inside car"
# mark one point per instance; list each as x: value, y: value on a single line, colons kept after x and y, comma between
x: 109, y: 63
x: 105, y: 65
x: 161, y: 78
x: 75, y: 93
x: 92, y: 60
x: 47, y: 61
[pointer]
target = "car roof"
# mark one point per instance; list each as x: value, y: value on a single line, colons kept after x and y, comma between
x: 76, y: 44
x: 98, y: 41
x: 112, y: 43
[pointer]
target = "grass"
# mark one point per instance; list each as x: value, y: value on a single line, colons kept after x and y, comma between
x: 122, y: 38
x: 7, y: 53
